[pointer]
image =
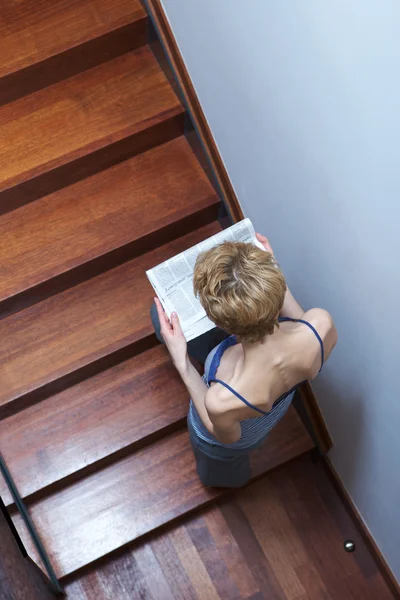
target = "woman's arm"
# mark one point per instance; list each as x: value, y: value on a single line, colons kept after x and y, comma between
x: 223, y: 427
x: 220, y: 424
x: 291, y: 308
x: 319, y: 318
x: 323, y: 323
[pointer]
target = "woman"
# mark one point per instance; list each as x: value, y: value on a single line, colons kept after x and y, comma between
x: 251, y: 376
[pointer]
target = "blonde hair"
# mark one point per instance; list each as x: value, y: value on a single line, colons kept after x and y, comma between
x: 241, y: 289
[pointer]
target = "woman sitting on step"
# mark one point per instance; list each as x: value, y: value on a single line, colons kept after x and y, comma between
x: 264, y: 346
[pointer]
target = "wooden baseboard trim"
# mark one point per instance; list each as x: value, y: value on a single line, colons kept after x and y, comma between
x: 372, y: 546
x: 162, y: 26
x: 316, y: 419
x: 167, y: 39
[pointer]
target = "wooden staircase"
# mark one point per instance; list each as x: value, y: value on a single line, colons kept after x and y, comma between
x: 97, y: 184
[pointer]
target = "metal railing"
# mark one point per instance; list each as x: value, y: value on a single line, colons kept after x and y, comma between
x: 19, y: 503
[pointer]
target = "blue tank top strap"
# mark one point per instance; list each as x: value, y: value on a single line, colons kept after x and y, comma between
x: 229, y: 341
x: 321, y: 343
x: 238, y: 395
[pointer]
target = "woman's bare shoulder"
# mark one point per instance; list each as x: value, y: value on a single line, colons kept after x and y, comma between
x: 321, y: 319
x: 324, y: 325
x: 218, y: 400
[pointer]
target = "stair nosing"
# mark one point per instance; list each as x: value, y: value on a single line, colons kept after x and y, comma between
x: 100, y: 464
x: 192, y: 504
x: 129, y: 21
x: 76, y: 162
x: 203, y: 206
x: 88, y: 149
x: 108, y: 356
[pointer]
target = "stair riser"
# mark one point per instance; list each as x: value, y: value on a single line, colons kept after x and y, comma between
x: 143, y: 340
x: 73, y: 61
x: 189, y: 510
x: 91, y: 163
x: 96, y: 466
x: 183, y: 224
x: 141, y: 493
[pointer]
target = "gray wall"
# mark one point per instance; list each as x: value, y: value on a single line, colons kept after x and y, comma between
x: 303, y: 98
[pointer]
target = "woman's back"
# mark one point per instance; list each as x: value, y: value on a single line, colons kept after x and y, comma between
x: 254, y: 385
x: 264, y: 372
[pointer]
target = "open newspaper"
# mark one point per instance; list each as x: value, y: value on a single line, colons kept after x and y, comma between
x: 172, y: 280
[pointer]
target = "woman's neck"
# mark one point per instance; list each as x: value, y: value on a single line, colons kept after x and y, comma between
x: 252, y: 349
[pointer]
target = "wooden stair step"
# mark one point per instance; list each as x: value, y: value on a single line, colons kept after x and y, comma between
x: 95, y: 421
x: 81, y: 331
x: 100, y: 222
x: 84, y: 124
x: 115, y: 506
x: 42, y: 41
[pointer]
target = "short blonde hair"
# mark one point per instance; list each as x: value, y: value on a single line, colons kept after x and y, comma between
x: 241, y: 289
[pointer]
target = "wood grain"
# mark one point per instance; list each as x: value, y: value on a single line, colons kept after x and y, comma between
x: 194, y: 567
x: 261, y: 569
x: 132, y: 497
x: 73, y: 119
x: 174, y: 572
x: 83, y: 330
x: 297, y: 535
x: 228, y: 549
x: 187, y: 560
x: 78, y: 430
x: 30, y: 29
x: 208, y: 551
x: 42, y: 42
x: 276, y: 536
x: 100, y: 222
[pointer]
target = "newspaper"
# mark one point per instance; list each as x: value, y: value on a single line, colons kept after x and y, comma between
x: 172, y: 280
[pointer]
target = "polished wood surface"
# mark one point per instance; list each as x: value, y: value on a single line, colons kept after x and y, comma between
x: 120, y: 503
x: 42, y: 42
x: 101, y: 221
x: 308, y: 528
x: 279, y: 539
x: 104, y: 158
x: 57, y: 338
x: 78, y: 116
x: 82, y: 428
x: 33, y: 30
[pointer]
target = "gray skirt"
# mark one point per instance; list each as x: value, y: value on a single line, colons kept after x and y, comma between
x: 221, y: 466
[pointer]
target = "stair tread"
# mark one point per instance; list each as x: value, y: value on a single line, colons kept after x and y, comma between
x: 82, y: 114
x: 30, y: 30
x: 82, y: 324
x: 99, y: 214
x: 128, y: 499
x: 86, y: 423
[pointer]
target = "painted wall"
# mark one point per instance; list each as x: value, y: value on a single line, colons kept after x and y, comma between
x: 303, y: 98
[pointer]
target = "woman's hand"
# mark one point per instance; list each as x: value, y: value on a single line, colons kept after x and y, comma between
x: 173, y: 337
x: 264, y: 242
